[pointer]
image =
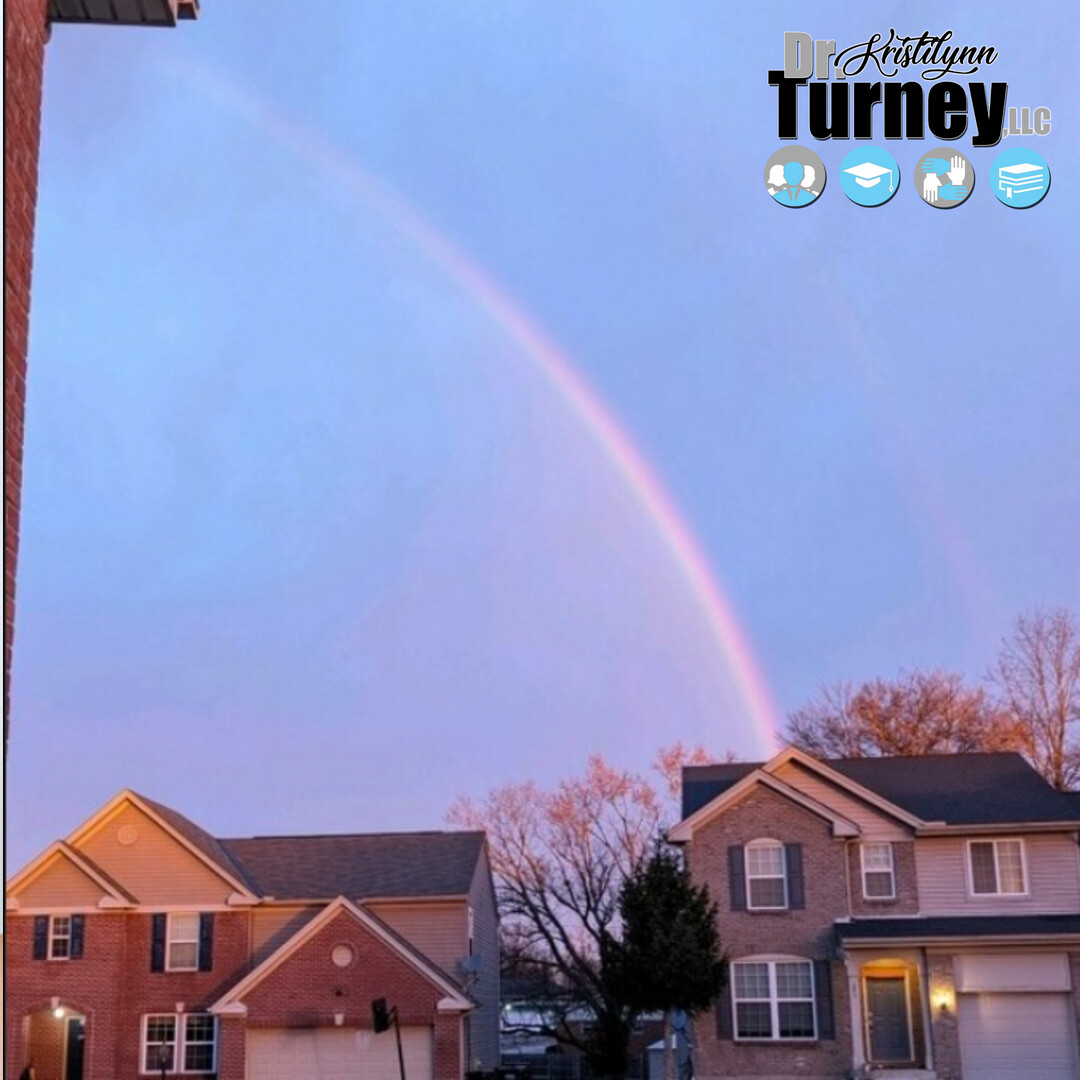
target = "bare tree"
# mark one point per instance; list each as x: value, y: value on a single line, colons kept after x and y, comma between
x: 917, y: 713
x: 560, y: 859
x: 1037, y: 675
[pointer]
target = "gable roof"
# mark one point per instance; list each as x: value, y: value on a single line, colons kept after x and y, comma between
x: 114, y: 894
x: 958, y: 789
x: 454, y: 1001
x: 198, y: 838
x: 360, y: 866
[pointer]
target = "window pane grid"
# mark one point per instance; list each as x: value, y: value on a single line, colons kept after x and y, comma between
x: 190, y: 1041
x: 183, y: 949
x: 60, y: 937
x: 997, y: 867
x: 766, y: 878
x: 774, y: 1000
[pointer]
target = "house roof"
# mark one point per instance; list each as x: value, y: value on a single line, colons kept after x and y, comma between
x: 959, y: 789
x: 366, y: 866
x: 963, y: 926
x: 199, y: 838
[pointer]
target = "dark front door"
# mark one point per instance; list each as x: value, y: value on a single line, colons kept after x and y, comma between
x: 887, y: 1019
x: 76, y: 1042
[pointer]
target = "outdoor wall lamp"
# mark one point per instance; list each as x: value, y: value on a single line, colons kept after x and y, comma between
x: 944, y: 1000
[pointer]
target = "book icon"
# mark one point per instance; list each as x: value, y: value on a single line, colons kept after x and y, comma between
x: 1021, y: 178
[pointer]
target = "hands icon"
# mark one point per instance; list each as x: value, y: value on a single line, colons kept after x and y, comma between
x: 935, y: 165
x: 944, y: 180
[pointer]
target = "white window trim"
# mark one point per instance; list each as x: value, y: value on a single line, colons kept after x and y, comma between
x: 783, y: 876
x: 774, y: 1001
x: 170, y: 941
x: 892, y: 869
x: 54, y: 936
x: 998, y: 894
x: 179, y: 1045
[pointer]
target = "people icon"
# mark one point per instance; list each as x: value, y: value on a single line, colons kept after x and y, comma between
x: 793, y: 183
x: 944, y: 178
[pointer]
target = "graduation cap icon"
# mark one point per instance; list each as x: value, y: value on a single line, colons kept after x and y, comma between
x: 869, y: 175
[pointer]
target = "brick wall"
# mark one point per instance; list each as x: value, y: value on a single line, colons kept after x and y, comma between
x: 24, y: 57
x: 807, y: 933
x: 906, y: 901
x: 112, y: 986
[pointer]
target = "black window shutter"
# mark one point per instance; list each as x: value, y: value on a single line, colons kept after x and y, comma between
x: 157, y: 944
x: 78, y: 926
x: 206, y: 941
x: 795, y: 886
x: 41, y: 937
x: 725, y: 1026
x: 737, y: 876
x: 823, y: 992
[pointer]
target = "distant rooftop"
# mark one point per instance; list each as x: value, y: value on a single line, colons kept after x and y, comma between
x: 959, y: 789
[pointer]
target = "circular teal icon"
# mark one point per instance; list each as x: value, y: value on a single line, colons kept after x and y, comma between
x: 1021, y: 177
x: 794, y: 176
x: 869, y: 176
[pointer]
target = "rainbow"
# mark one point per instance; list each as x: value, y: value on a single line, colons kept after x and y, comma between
x: 546, y: 357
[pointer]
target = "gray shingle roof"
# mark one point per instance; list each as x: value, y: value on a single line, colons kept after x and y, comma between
x: 960, y: 926
x: 960, y: 789
x: 423, y: 864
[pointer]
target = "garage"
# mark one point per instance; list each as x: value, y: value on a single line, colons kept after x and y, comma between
x: 1008, y: 1035
x: 337, y: 1054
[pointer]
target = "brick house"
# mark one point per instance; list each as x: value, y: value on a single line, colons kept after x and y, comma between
x: 141, y: 945
x: 889, y: 917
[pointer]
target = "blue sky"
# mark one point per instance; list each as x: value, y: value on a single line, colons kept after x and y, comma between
x: 308, y: 543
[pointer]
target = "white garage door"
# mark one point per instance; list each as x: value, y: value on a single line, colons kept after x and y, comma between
x: 337, y: 1054
x: 1008, y: 1036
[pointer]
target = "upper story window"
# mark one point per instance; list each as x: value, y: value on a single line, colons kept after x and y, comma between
x: 997, y: 867
x: 177, y: 1043
x: 59, y: 937
x: 878, y: 877
x: 182, y: 949
x: 766, y: 875
x: 182, y: 941
x: 773, y: 999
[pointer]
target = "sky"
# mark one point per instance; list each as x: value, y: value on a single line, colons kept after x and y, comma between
x: 425, y: 396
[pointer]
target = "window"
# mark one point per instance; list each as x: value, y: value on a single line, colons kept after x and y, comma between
x: 183, y: 943
x: 59, y: 937
x: 997, y: 867
x: 878, y: 882
x: 773, y: 999
x: 188, y: 1040
x: 766, y: 880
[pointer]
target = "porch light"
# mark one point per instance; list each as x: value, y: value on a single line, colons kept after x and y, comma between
x: 944, y: 1000
x: 58, y: 1012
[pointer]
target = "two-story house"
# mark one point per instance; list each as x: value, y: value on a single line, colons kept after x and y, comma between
x: 142, y: 946
x: 899, y: 917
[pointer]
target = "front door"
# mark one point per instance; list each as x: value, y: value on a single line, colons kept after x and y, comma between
x: 887, y: 1019
x: 76, y: 1040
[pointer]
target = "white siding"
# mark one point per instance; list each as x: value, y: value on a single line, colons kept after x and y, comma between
x: 60, y: 884
x: 153, y: 866
x: 1053, y: 870
x: 873, y: 823
x: 438, y: 929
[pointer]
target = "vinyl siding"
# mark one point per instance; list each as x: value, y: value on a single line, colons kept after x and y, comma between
x: 439, y: 930
x: 485, y: 990
x: 155, y: 868
x: 1053, y: 870
x: 872, y: 822
x: 60, y: 884
x: 271, y: 927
